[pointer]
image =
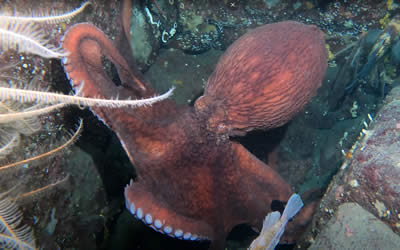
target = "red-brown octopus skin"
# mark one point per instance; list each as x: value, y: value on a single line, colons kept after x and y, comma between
x: 193, y: 182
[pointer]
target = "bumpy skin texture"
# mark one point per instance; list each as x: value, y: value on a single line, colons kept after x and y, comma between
x: 190, y: 175
x: 265, y: 78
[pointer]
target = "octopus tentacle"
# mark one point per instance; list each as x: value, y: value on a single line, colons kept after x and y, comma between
x: 260, y: 185
x: 85, y: 44
x: 156, y: 213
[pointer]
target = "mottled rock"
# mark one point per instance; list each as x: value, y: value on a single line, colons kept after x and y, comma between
x: 187, y: 73
x: 353, y: 227
x: 396, y: 52
x: 369, y: 177
x: 145, y: 40
x: 376, y: 165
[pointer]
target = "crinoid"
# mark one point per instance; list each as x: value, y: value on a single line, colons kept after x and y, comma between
x: 22, y: 33
x: 13, y: 233
x: 31, y: 129
x: 27, y: 140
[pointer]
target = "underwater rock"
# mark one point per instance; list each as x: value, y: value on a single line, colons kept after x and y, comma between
x: 396, y: 53
x: 144, y: 40
x: 369, y: 177
x: 188, y: 79
x: 375, y: 165
x: 355, y: 228
x: 370, y: 38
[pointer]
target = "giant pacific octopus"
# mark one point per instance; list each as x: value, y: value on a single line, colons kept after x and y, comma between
x: 194, y: 182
